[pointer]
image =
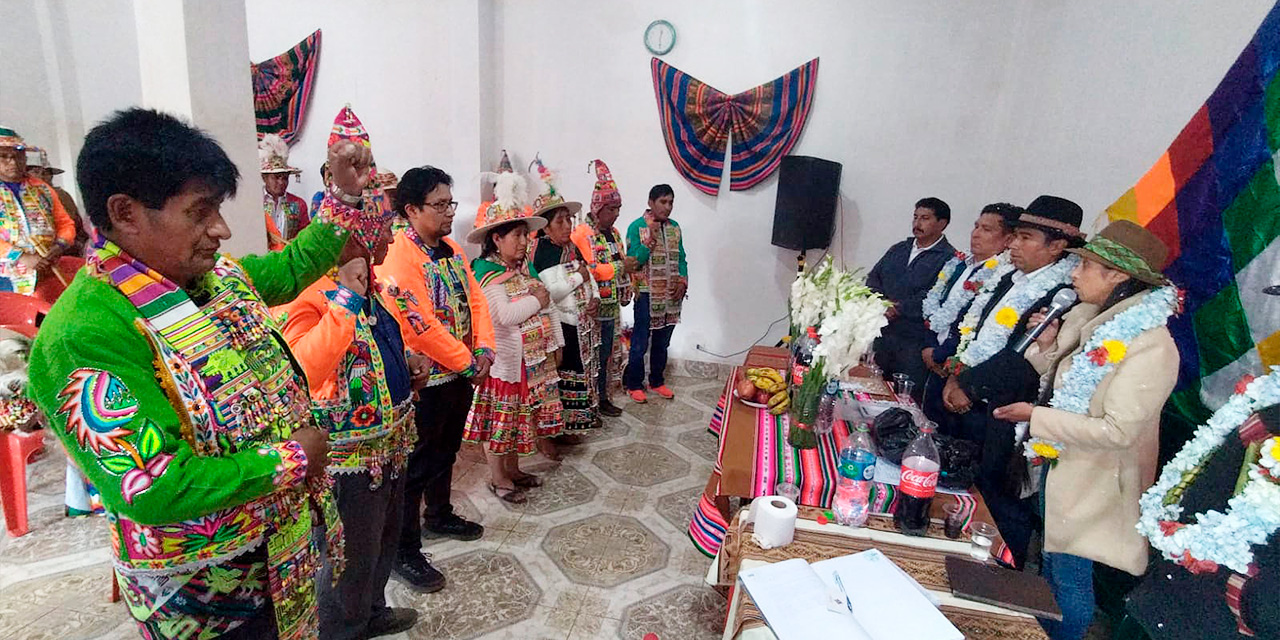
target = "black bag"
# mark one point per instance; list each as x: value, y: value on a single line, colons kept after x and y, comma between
x: 959, y: 459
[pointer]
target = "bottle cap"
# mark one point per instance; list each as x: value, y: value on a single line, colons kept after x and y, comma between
x: 833, y: 387
x: 928, y: 426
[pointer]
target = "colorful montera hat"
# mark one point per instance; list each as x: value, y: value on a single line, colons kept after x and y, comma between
x: 10, y: 138
x: 273, y: 155
x: 510, y: 203
x: 605, y: 192
x: 548, y: 197
x: 348, y: 127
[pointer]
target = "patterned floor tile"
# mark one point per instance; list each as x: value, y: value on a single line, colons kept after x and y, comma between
x: 605, y: 550
x: 48, y: 475
x: 664, y: 413
x: 612, y: 429
x: 678, y: 507
x: 61, y: 624
x: 687, y: 612
x: 53, y: 534
x: 487, y: 591
x: 76, y: 602
x: 708, y: 396
x: 641, y: 464
x: 625, y: 499
x: 563, y: 487
x: 701, y: 442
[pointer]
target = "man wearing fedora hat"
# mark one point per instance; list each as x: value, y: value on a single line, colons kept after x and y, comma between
x: 1105, y: 444
x: 38, y: 166
x: 987, y: 373
x: 285, y: 213
x: 35, y: 229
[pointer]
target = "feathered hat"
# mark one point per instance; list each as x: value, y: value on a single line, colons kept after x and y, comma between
x: 548, y: 196
x: 605, y: 192
x: 510, y: 203
x: 10, y: 138
x: 273, y: 155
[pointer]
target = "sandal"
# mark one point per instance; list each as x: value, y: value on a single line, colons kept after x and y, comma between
x: 514, y: 496
x: 527, y: 481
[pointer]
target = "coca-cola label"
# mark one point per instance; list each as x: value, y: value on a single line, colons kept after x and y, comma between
x: 918, y: 484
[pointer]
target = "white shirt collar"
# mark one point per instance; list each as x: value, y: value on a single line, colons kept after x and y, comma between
x: 915, y: 245
x: 1019, y: 276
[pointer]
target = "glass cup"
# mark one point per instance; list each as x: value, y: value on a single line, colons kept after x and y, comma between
x: 905, y: 389
x: 953, y: 525
x: 981, y: 536
x: 898, y: 379
x: 788, y: 491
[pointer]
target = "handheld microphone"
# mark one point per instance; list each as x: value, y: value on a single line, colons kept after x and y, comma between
x: 1062, y: 301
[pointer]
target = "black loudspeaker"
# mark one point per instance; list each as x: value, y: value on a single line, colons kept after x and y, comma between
x: 808, y: 191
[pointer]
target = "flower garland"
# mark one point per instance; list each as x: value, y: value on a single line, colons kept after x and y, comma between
x: 994, y: 335
x: 940, y: 322
x: 1097, y: 359
x: 933, y: 300
x: 1252, y: 516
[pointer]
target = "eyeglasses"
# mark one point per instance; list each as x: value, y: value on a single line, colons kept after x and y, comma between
x: 442, y: 207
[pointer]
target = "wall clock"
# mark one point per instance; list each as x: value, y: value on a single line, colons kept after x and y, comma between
x: 659, y: 37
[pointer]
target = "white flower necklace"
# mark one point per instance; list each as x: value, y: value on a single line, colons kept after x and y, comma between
x: 933, y: 300
x: 1108, y: 345
x: 995, y: 332
x: 1252, y: 516
x: 940, y: 322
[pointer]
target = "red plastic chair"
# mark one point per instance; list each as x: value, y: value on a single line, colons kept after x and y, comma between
x: 51, y: 286
x: 16, y: 449
x: 21, y: 313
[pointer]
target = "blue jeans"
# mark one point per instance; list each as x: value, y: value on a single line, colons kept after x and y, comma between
x: 606, y: 351
x: 1071, y: 580
x: 642, y: 340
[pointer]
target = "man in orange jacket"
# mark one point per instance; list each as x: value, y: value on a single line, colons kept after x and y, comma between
x: 444, y: 316
x: 35, y: 229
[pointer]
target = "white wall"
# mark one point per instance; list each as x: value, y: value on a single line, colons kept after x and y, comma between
x: 970, y: 102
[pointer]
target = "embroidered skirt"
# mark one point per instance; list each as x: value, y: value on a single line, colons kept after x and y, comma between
x: 512, y: 416
x: 577, y: 388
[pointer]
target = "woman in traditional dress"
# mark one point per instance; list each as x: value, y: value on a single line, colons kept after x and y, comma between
x: 1113, y: 365
x: 519, y: 402
x: 573, y: 291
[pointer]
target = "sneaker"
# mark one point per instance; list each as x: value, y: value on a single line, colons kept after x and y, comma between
x: 609, y: 409
x: 390, y: 621
x: 454, y: 526
x: 664, y: 391
x: 638, y: 396
x: 412, y: 568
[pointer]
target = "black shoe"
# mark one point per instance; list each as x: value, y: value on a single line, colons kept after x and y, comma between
x: 412, y: 568
x: 453, y: 526
x: 390, y: 621
x: 609, y: 409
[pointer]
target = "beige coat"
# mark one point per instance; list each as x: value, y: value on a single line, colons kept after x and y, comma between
x: 1109, y: 456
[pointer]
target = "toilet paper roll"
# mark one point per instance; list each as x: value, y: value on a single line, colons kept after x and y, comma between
x: 775, y: 521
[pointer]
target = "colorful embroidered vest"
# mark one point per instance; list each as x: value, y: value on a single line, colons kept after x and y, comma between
x: 657, y: 276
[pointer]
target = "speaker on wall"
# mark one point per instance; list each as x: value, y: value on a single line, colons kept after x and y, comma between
x: 808, y: 191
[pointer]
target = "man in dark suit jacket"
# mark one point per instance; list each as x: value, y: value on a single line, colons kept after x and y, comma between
x: 1049, y: 226
x: 904, y: 275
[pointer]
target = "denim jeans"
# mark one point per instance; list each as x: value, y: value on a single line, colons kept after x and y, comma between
x: 642, y: 340
x: 606, y: 351
x: 1071, y: 580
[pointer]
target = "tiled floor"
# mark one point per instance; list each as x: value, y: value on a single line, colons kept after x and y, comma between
x: 600, y: 551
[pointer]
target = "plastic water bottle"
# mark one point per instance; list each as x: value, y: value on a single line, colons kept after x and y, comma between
x: 827, y: 409
x: 857, y: 471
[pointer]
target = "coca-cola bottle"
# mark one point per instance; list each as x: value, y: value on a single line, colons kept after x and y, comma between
x: 919, y: 483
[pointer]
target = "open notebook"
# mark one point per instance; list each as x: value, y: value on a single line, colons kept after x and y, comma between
x: 796, y: 600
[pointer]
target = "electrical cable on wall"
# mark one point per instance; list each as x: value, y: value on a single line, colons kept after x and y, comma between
x: 766, y: 331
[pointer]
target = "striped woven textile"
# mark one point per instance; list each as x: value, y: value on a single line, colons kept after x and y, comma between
x: 282, y: 88
x: 762, y: 124
x: 1214, y: 199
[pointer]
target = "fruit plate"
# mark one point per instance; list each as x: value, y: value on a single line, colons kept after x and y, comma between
x: 755, y: 405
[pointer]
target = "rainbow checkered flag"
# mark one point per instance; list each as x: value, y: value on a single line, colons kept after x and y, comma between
x: 1214, y: 198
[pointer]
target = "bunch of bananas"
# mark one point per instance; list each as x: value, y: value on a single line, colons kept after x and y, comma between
x: 769, y: 381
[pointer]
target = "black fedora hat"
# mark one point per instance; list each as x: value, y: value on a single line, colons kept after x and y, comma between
x: 1055, y: 215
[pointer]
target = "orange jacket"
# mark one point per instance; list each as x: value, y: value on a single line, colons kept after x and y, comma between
x: 318, y: 331
x: 581, y: 236
x: 404, y: 278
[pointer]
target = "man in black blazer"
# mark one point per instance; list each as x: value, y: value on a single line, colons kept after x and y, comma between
x: 904, y: 275
x: 1049, y: 226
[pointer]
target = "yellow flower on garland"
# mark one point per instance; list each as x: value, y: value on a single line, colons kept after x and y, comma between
x: 942, y: 275
x: 990, y: 263
x: 964, y: 331
x: 1045, y: 450
x: 1116, y: 350
x: 1007, y: 317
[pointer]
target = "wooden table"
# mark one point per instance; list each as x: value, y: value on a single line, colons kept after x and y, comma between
x: 924, y: 558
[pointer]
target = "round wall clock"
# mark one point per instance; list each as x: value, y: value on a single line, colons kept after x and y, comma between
x: 660, y: 37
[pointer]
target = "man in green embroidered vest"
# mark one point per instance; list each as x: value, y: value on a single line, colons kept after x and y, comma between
x: 164, y: 375
x: 655, y: 251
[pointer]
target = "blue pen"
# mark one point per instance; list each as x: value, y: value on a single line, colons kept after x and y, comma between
x: 847, y: 601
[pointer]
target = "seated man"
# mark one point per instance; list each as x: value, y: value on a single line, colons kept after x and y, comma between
x: 986, y: 373
x: 957, y: 285
x: 904, y: 275
x: 162, y: 374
